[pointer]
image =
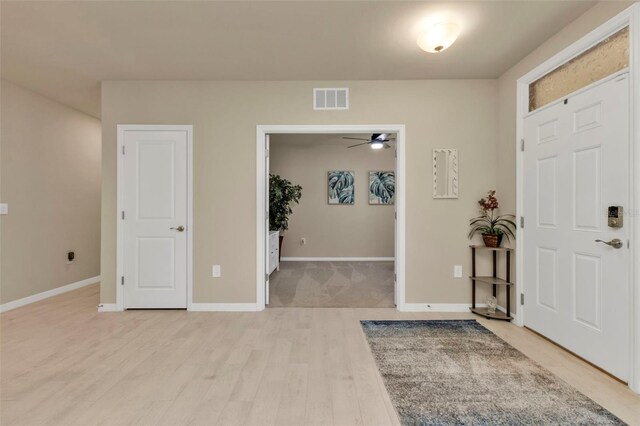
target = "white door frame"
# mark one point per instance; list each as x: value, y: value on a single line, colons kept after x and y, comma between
x: 261, y: 182
x: 122, y: 128
x: 629, y: 17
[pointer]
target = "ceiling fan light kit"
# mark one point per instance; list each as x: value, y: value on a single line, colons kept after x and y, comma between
x: 438, y: 37
x: 376, y: 141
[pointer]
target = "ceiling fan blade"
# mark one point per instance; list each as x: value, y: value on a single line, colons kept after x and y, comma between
x: 355, y: 139
x: 364, y: 143
x: 386, y: 146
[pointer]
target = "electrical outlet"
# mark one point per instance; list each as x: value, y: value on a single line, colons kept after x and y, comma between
x: 71, y: 256
x: 4, y: 208
x: 215, y: 271
x: 457, y: 271
x: 303, y: 241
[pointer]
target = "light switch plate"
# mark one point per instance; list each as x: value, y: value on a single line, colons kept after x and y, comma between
x: 215, y: 271
x: 4, y: 208
x: 457, y: 271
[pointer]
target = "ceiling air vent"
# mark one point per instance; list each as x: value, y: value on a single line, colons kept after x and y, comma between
x: 331, y: 98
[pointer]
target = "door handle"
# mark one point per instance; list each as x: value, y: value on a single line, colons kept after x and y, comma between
x: 179, y: 228
x: 615, y: 243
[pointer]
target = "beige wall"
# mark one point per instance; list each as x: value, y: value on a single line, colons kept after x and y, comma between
x: 225, y: 115
x: 50, y: 177
x: 358, y: 230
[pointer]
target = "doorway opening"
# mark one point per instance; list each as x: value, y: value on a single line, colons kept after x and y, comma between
x: 345, y: 242
x: 338, y: 248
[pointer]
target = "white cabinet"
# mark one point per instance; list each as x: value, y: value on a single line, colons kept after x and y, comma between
x: 274, y: 251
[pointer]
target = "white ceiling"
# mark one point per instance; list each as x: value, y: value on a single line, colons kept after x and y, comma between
x: 63, y: 49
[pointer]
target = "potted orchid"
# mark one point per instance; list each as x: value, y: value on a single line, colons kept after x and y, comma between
x: 491, y: 225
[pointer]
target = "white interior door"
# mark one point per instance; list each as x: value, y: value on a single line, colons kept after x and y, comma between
x: 267, y: 248
x: 155, y: 217
x: 576, y: 165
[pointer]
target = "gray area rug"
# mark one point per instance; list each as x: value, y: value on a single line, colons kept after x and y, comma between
x: 332, y: 285
x: 456, y: 372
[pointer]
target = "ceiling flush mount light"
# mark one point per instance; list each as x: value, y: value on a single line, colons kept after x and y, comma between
x: 377, y: 145
x: 438, y: 37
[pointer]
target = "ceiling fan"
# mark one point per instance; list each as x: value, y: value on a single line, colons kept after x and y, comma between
x: 376, y: 141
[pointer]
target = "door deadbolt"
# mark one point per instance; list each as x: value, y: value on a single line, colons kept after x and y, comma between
x: 614, y: 216
x: 615, y: 243
x: 179, y: 228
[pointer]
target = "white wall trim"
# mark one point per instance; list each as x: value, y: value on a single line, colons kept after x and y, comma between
x: 630, y: 17
x: 120, y: 204
x: 49, y: 293
x: 400, y: 202
x: 224, y: 307
x: 337, y: 259
x: 438, y: 307
x: 109, y: 307
x: 449, y: 307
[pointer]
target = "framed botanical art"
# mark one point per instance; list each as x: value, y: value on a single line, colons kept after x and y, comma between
x: 341, y: 187
x: 382, y: 187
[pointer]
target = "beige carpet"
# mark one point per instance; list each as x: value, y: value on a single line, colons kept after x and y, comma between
x: 332, y: 285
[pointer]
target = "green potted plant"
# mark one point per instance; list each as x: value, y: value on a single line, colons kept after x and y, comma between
x: 492, y: 226
x: 282, y: 194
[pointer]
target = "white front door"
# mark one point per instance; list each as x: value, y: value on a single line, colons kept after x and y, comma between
x: 155, y: 217
x: 576, y: 165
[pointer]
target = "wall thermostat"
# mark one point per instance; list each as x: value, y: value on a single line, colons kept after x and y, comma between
x: 615, y: 216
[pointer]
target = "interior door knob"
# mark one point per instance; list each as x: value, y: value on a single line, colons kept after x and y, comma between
x: 615, y: 243
x: 179, y: 228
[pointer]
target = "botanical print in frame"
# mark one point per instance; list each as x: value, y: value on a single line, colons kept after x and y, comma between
x: 382, y: 187
x: 341, y: 187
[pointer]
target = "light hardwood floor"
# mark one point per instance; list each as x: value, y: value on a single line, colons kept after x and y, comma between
x: 63, y: 363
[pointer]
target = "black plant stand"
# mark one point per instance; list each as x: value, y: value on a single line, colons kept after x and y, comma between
x: 493, y: 280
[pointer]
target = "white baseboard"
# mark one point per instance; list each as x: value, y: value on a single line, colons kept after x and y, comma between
x: 446, y: 307
x: 223, y: 307
x: 437, y: 307
x: 49, y: 293
x: 513, y: 314
x: 109, y: 307
x: 337, y: 259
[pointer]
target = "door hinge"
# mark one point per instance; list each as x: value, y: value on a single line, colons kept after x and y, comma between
x: 121, y: 280
x: 395, y: 215
x: 266, y: 276
x: 395, y: 153
x: 123, y: 150
x: 266, y: 153
x: 522, y: 145
x: 395, y: 278
x: 521, y: 221
x: 122, y: 214
x: 522, y: 298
